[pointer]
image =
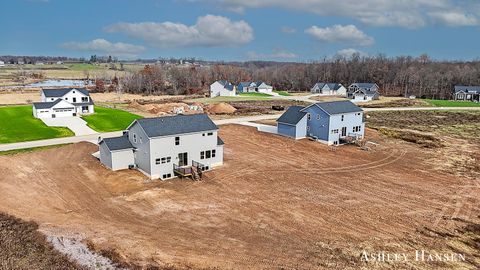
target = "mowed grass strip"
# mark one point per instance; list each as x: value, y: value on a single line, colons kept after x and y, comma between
x: 17, y: 124
x: 107, y: 119
x: 451, y: 103
x: 254, y: 94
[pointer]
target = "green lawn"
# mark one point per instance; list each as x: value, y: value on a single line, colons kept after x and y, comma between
x: 17, y: 124
x: 254, y: 94
x: 106, y: 119
x: 451, y: 103
x: 282, y: 93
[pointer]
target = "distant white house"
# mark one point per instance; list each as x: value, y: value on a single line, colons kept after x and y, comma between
x: 261, y: 87
x: 63, y: 103
x: 222, y: 89
x: 362, y: 92
x: 467, y: 93
x: 38, y: 63
x: 2, y: 64
x: 330, y: 89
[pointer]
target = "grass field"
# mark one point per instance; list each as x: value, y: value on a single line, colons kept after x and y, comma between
x: 254, y: 94
x: 229, y: 99
x: 106, y: 119
x: 282, y: 93
x: 451, y: 103
x: 17, y: 124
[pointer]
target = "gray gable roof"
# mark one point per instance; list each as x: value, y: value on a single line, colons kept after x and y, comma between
x: 63, y: 91
x: 467, y: 89
x: 244, y: 84
x: 46, y: 105
x: 332, y: 86
x: 338, y: 107
x: 176, y: 125
x: 227, y: 85
x: 118, y: 143
x: 292, y: 116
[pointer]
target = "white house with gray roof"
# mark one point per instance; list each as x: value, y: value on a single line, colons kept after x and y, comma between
x: 329, y: 89
x: 467, y: 93
x: 165, y: 147
x: 222, y: 89
x: 260, y: 87
x: 63, y: 103
x: 363, y: 92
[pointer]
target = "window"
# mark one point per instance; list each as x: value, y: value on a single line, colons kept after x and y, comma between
x: 308, y: 128
x: 203, y: 134
x: 157, y: 161
x: 318, y: 116
x: 334, y: 131
x: 202, y: 155
x: 167, y: 175
x: 309, y: 116
x: 214, y: 153
x: 335, y: 143
x: 208, y: 154
x: 66, y: 98
x: 169, y: 159
x: 177, y: 140
x: 210, y: 133
x: 134, y: 138
x: 163, y: 160
x: 343, y: 117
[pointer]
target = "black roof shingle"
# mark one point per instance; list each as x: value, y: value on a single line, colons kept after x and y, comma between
x: 292, y: 116
x: 178, y: 124
x: 118, y: 143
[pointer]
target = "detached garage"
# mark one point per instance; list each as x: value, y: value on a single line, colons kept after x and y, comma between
x: 117, y: 153
x: 293, y: 123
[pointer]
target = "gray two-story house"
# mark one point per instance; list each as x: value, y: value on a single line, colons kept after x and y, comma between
x: 165, y: 147
x: 362, y: 92
x: 329, y: 122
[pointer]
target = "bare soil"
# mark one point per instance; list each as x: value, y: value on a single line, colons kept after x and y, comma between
x: 275, y: 204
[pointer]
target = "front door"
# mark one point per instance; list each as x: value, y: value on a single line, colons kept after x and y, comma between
x: 182, y: 159
x: 344, y: 131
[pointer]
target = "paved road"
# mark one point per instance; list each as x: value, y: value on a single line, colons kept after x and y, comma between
x: 94, y: 138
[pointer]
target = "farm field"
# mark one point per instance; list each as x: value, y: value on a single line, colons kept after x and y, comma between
x: 302, y: 206
x: 17, y: 124
x: 65, y: 71
x: 451, y: 103
x: 107, y: 119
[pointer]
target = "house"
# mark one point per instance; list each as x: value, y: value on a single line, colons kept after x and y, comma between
x: 362, y: 92
x: 63, y: 103
x: 222, y: 89
x: 331, y: 89
x: 261, y: 87
x: 165, y: 147
x: 2, y: 64
x: 329, y: 122
x: 467, y: 93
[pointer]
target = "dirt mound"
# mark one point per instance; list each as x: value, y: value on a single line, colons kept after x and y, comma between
x: 167, y: 108
x: 221, y: 108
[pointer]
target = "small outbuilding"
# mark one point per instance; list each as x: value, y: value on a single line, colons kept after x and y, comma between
x: 293, y: 123
x: 117, y: 153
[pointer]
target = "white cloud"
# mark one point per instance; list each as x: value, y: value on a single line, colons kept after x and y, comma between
x: 454, y: 18
x: 403, y: 13
x: 277, y: 54
x: 106, y: 47
x: 348, y: 34
x: 208, y: 31
x: 348, y: 53
x: 288, y: 30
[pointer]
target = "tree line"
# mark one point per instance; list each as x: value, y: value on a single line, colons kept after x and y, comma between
x: 399, y: 76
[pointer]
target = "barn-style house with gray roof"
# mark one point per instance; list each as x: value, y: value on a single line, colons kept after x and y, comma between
x: 66, y: 102
x: 328, y: 122
x: 165, y: 147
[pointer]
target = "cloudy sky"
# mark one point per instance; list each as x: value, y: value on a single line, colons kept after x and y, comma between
x: 282, y: 30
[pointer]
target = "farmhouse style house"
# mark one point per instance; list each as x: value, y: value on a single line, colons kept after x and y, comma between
x: 63, y: 103
x: 261, y: 87
x: 222, y: 89
x: 328, y: 122
x: 330, y: 89
x: 165, y: 147
x: 362, y: 92
x: 467, y: 93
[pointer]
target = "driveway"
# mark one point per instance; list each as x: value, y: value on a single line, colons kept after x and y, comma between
x: 75, y: 124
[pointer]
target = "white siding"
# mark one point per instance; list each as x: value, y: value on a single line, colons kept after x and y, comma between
x: 122, y: 159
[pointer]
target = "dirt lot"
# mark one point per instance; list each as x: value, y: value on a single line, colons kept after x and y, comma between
x: 275, y: 204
